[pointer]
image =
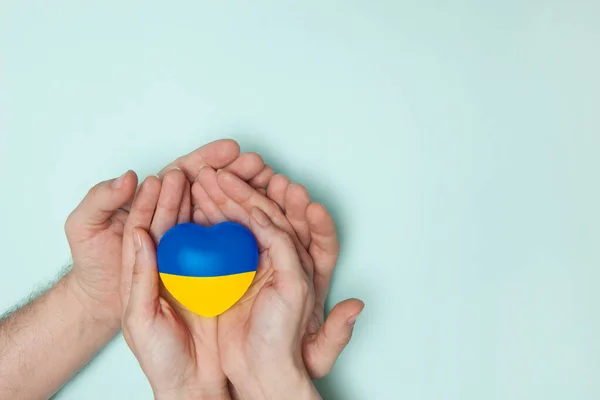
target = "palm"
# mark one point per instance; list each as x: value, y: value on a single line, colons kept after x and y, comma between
x: 256, y: 319
x: 170, y: 204
x: 99, y: 249
x: 173, y: 347
x: 203, y: 332
x: 226, y: 197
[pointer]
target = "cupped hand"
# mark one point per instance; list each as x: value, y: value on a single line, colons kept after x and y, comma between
x: 222, y: 196
x: 155, y: 209
x: 260, y: 337
x: 95, y: 234
x: 157, y: 336
x: 95, y: 229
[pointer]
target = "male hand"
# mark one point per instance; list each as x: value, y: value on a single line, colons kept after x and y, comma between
x: 95, y: 229
x: 95, y: 234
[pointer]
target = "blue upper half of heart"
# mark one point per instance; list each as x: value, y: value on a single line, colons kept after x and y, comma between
x: 193, y: 250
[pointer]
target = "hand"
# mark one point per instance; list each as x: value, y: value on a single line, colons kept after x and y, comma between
x: 223, y: 196
x: 160, y: 339
x: 248, y: 166
x: 95, y: 228
x: 95, y: 234
x: 260, y: 337
x: 157, y: 336
x: 152, y: 330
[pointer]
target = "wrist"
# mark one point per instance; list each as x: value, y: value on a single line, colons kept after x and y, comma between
x: 193, y: 389
x: 276, y: 384
x: 170, y: 395
x: 103, y: 316
x: 182, y: 394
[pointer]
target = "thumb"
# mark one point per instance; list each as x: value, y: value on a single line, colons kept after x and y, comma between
x: 103, y: 200
x: 325, y: 347
x: 144, y: 280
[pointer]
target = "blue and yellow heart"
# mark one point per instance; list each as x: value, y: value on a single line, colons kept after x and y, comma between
x: 207, y: 269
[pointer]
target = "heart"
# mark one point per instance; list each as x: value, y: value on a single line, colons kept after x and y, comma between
x: 207, y: 270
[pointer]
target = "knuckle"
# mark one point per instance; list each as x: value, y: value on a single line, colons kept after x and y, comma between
x: 173, y: 176
x: 136, y: 277
x: 144, y: 209
x: 281, y: 179
x: 168, y: 206
x: 255, y: 157
x: 272, y: 208
x: 268, y: 171
x: 297, y: 190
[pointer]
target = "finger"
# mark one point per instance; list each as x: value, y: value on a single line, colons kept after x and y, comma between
x: 322, y: 350
x: 229, y: 210
x: 142, y: 211
x: 279, y: 244
x: 144, y: 278
x: 103, y: 200
x: 204, y: 203
x: 276, y: 189
x: 169, y: 201
x: 261, y: 180
x: 198, y: 217
x: 246, y: 166
x: 296, y: 204
x: 244, y: 195
x: 144, y: 204
x: 324, y: 249
x: 185, y: 209
x: 217, y: 154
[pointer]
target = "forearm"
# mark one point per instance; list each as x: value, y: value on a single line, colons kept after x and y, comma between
x: 45, y: 343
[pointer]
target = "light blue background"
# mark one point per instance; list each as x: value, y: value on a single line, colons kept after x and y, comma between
x: 455, y: 141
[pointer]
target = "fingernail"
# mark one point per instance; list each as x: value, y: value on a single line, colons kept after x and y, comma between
x: 352, y: 320
x: 158, y: 176
x: 260, y: 217
x: 119, y: 181
x: 137, y: 240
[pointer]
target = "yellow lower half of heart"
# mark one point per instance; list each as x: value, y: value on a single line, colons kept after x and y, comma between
x: 208, y: 296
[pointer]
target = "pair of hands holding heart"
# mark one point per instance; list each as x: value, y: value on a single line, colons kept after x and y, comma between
x: 276, y: 330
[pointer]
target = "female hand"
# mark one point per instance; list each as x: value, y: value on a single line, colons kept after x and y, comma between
x: 177, y: 349
x: 261, y: 336
x: 224, y: 197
